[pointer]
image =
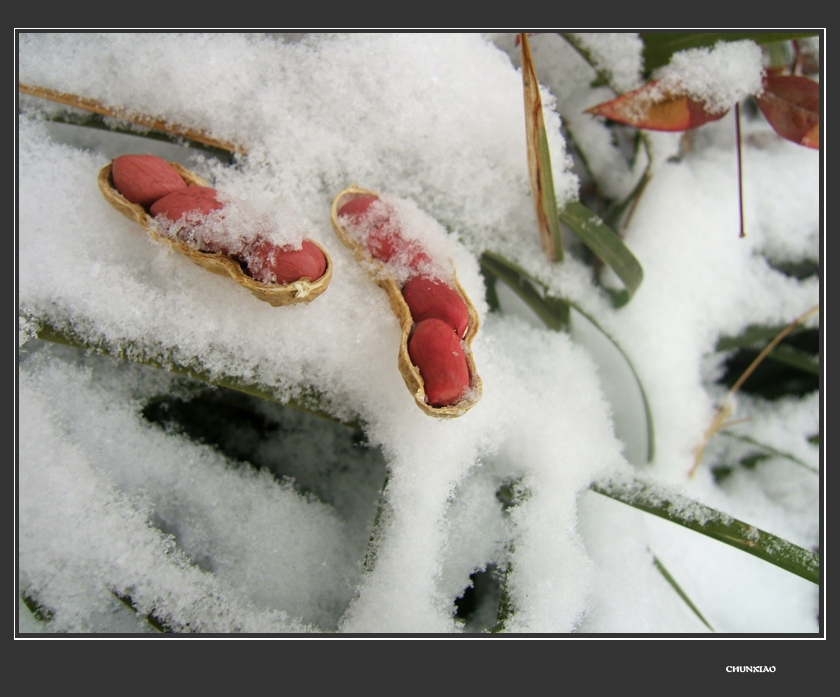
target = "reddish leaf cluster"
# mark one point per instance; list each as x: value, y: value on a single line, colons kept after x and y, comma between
x: 790, y: 103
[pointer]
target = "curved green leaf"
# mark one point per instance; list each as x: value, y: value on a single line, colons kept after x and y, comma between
x: 651, y: 436
x: 660, y: 501
x: 607, y: 246
x: 554, y: 312
x: 770, y: 450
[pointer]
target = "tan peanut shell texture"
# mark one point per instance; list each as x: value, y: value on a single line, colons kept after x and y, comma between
x: 275, y: 294
x: 379, y: 273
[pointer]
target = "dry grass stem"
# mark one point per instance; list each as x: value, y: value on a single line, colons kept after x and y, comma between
x: 156, y: 124
x: 724, y: 410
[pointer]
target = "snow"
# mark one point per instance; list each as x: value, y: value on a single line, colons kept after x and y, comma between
x: 618, y: 55
x: 304, y: 529
x: 719, y: 77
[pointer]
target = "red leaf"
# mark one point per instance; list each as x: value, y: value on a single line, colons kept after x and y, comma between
x: 791, y: 105
x: 812, y: 138
x: 656, y: 109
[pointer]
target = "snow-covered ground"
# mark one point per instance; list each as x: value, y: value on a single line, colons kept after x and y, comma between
x: 111, y: 504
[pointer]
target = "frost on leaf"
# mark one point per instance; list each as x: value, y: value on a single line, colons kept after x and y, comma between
x: 656, y: 108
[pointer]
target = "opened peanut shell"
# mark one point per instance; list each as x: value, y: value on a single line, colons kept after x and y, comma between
x: 276, y: 294
x: 379, y: 272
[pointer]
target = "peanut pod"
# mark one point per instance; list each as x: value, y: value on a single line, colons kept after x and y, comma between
x: 379, y: 273
x: 275, y: 294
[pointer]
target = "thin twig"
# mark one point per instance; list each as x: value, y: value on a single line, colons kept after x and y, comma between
x: 726, y: 408
x: 156, y: 124
x: 740, y: 172
x: 761, y: 356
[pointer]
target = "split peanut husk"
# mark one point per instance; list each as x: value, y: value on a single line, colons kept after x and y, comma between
x: 379, y: 273
x: 276, y: 294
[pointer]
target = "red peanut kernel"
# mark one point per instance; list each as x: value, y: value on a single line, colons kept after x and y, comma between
x: 193, y: 199
x: 357, y: 207
x: 437, y: 352
x: 192, y: 202
x: 428, y: 297
x: 143, y: 179
x: 269, y: 263
x: 389, y: 246
x: 380, y: 234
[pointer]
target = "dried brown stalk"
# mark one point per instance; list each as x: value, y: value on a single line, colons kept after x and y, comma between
x: 146, y: 121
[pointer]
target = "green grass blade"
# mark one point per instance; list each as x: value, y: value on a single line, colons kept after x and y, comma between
x: 606, y: 245
x: 770, y: 450
x: 651, y: 434
x: 660, y: 46
x: 804, y: 360
x: 505, y: 610
x: 50, y: 332
x: 41, y: 614
x: 491, y: 294
x: 660, y: 567
x: 554, y: 312
x: 509, y: 494
x: 665, y: 503
x: 150, y: 619
x: 620, y: 213
x: 98, y: 122
x: 603, y: 78
x: 753, y: 335
x: 796, y: 358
